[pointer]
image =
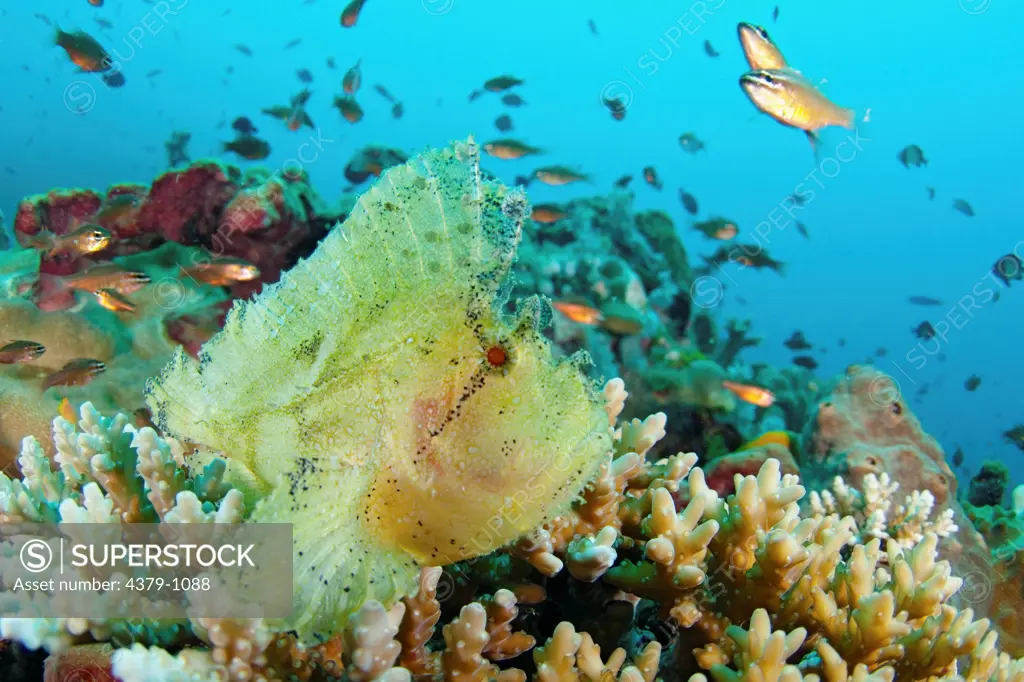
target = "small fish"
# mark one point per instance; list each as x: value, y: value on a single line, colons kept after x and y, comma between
x: 691, y: 143
x: 88, y: 238
x: 76, y: 373
x: 881, y: 352
x: 805, y: 361
x: 924, y: 331
x: 350, y: 15
x: 304, y: 76
x: 83, y: 50
x: 244, y: 49
x: 620, y: 319
x: 353, y: 79
x: 1008, y: 268
x: 109, y: 276
x: 616, y: 106
x: 717, y: 228
x: 758, y: 48
x: 782, y: 438
x: 651, y: 177
x: 912, y: 155
x: 503, y: 123
x: 796, y: 342
x: 793, y: 101
x: 113, y: 79
x: 958, y: 457
x: 383, y: 92
x: 43, y: 18
x: 578, y: 312
x: 112, y: 300
x: 103, y: 23
x: 349, y: 108
x: 923, y: 300
x: 502, y: 83
x: 1016, y: 436
x: 931, y: 192
x: 243, y: 125
x: 17, y: 352
x: 963, y: 207
x: 755, y: 395
x: 972, y: 383
x: 248, y: 147
x: 293, y: 114
x: 221, y: 272
x: 331, y: 64
x: 177, y: 153
x: 624, y: 181
x: 154, y: 73
x: 397, y: 110
x: 751, y: 256
x: 709, y: 50
x: 507, y: 148
x: 775, y: 13
x: 592, y: 26
x: 512, y: 100
x: 66, y: 410
x: 292, y: 43
x: 689, y: 201
x: 547, y: 213
x: 559, y: 175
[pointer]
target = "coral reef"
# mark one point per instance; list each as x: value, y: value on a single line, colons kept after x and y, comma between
x: 135, y: 345
x: 163, y: 231
x: 267, y: 219
x: 749, y: 582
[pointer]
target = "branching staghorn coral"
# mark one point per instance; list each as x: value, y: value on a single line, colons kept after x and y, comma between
x: 109, y: 472
x: 618, y: 497
x: 880, y: 613
x: 379, y: 383
x: 871, y: 614
x: 878, y: 516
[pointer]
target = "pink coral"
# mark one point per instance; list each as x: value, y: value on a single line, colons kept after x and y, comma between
x: 865, y: 426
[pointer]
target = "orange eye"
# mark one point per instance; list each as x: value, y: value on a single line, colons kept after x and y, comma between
x: 497, y: 356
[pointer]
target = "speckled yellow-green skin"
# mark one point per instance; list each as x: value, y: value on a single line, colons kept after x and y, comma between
x: 358, y: 390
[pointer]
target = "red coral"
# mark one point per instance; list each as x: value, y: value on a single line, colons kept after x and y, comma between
x: 720, y: 472
x: 183, y: 205
x: 59, y: 211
